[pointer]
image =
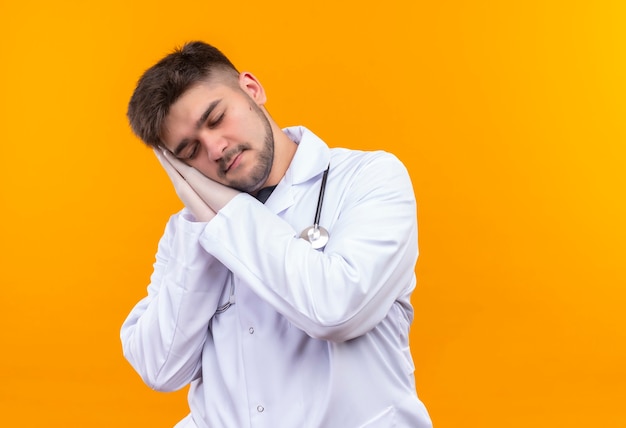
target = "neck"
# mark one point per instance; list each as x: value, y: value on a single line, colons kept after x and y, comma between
x: 284, y: 151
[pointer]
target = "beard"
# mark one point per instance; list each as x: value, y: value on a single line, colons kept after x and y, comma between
x: 258, y: 176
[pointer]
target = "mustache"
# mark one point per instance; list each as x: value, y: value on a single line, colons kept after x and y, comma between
x: 230, y: 155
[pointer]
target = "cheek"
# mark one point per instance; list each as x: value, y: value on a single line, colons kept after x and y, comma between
x: 202, y: 163
x: 244, y: 120
x: 205, y: 170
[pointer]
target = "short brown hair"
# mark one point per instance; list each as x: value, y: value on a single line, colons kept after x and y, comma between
x: 163, y: 83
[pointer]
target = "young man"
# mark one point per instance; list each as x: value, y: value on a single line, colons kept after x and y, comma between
x: 272, y: 330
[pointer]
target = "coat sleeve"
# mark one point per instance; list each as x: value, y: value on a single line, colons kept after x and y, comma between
x: 368, y: 263
x: 163, y: 335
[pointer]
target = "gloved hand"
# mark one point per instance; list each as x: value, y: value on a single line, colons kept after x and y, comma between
x: 201, y: 195
x: 200, y: 210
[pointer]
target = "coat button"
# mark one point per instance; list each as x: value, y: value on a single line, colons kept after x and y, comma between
x: 251, y: 330
x: 260, y: 408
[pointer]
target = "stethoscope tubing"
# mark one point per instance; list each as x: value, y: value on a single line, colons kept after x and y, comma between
x: 316, y: 235
x: 320, y: 199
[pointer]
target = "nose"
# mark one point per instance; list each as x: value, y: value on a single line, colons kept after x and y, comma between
x: 214, y: 145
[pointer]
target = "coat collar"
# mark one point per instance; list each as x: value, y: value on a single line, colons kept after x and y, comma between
x: 311, y: 159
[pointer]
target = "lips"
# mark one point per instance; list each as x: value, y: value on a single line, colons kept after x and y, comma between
x: 233, y: 161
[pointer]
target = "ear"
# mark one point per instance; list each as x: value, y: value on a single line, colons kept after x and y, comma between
x: 252, y: 87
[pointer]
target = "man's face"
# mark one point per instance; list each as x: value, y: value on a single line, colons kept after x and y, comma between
x: 219, y: 129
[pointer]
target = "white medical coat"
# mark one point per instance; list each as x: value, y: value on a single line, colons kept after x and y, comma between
x: 314, y: 338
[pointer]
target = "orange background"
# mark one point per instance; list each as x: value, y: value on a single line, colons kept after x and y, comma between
x: 509, y: 116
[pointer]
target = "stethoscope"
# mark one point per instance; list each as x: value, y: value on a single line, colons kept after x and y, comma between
x: 317, y: 235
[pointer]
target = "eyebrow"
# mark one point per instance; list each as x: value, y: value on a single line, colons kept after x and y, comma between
x: 185, y: 142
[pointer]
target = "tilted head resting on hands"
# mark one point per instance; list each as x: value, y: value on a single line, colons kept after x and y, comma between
x: 162, y: 84
x: 195, y: 104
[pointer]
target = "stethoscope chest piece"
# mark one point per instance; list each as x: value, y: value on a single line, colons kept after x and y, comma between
x: 316, y: 235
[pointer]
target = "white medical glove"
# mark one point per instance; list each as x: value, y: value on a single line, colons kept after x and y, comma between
x: 194, y: 203
x: 214, y: 194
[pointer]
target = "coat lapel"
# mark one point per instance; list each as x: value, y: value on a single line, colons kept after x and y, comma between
x: 311, y: 159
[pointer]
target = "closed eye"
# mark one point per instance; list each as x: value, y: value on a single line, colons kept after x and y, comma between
x: 216, y: 122
x: 190, y: 152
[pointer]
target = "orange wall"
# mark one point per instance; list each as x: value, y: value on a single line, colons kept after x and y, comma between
x: 509, y: 116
